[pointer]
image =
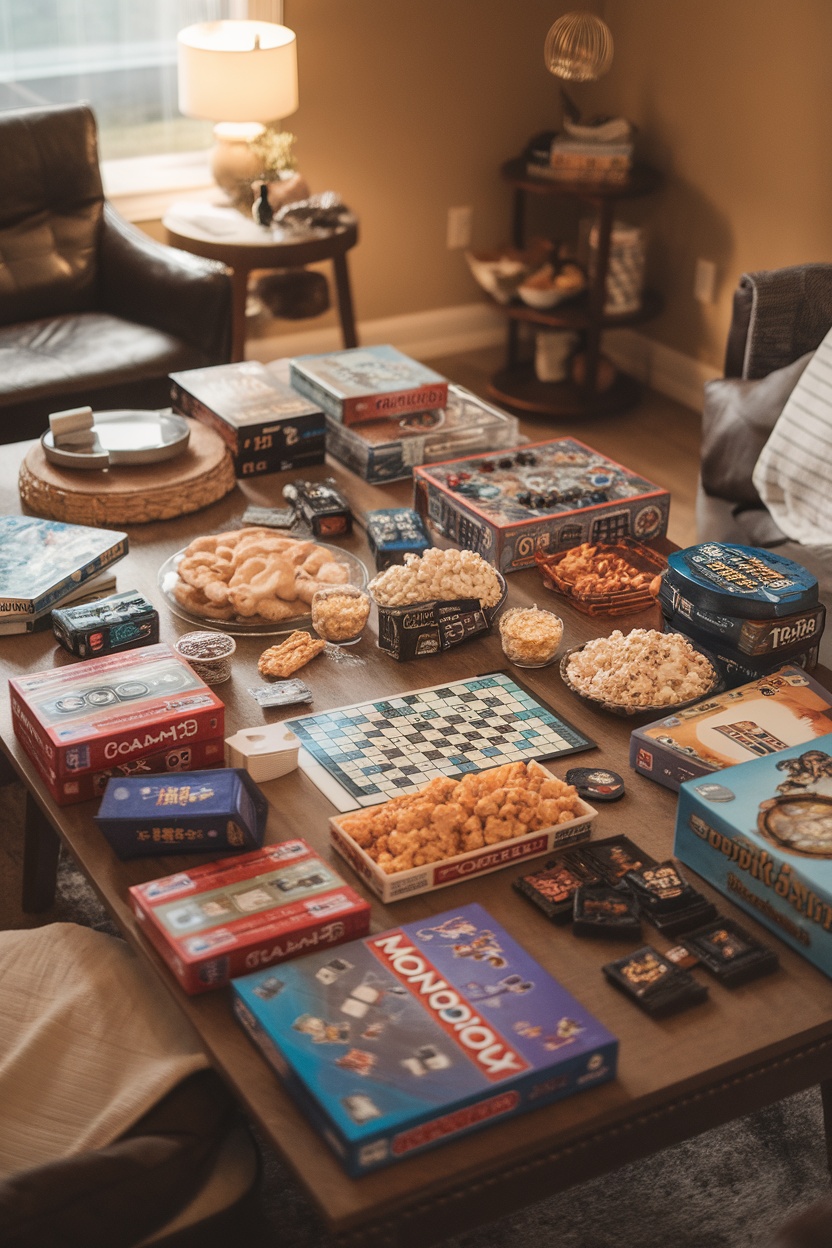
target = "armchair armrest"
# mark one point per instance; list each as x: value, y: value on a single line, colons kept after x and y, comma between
x: 183, y: 295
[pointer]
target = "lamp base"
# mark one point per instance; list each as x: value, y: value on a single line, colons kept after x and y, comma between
x: 235, y: 164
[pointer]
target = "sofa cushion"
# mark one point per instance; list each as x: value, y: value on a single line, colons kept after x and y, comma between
x: 737, y: 420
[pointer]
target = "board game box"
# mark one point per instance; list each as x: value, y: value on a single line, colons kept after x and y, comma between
x: 388, y: 450
x: 546, y: 496
x: 82, y: 786
x: 41, y: 561
x: 368, y: 383
x: 421, y: 1034
x: 762, y: 834
x: 90, y: 716
x: 235, y: 915
x: 266, y: 424
x: 121, y: 622
x: 221, y: 809
x: 784, y: 708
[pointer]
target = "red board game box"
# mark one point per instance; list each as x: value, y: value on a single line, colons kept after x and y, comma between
x: 246, y: 913
x: 105, y: 712
x: 86, y: 785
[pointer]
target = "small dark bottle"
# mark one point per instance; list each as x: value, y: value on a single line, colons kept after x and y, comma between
x: 261, y: 209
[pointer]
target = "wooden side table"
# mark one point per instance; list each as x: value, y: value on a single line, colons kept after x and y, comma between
x: 222, y: 233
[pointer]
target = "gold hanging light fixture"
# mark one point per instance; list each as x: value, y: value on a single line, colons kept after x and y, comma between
x: 578, y: 47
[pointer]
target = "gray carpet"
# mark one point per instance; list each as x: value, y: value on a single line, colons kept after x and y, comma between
x: 728, y: 1189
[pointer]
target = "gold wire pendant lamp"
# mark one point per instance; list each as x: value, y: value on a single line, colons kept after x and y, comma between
x: 578, y: 47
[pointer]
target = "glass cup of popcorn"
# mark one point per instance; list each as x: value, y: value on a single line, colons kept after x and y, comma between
x: 530, y: 637
x: 339, y: 613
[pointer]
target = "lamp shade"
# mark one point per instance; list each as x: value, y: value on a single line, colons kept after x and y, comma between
x: 237, y: 71
x: 578, y: 47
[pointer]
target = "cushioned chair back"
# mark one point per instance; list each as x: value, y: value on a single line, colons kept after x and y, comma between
x: 51, y: 204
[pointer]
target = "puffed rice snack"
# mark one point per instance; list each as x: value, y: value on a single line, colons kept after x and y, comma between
x: 437, y: 575
x: 645, y: 668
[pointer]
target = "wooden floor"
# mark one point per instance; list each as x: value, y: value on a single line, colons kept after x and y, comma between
x: 659, y: 438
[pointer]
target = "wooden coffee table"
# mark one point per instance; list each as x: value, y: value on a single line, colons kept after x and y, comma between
x: 741, y: 1050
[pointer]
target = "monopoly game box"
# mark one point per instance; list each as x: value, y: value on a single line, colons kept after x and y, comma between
x: 249, y: 912
x: 421, y: 1034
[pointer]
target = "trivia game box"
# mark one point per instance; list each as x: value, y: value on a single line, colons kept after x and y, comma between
x: 91, y: 716
x: 786, y: 707
x: 545, y: 496
x: 762, y: 834
x: 211, y: 811
x: 368, y: 383
x: 251, y: 911
x: 421, y: 1034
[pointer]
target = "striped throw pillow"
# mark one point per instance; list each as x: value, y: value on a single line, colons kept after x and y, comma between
x: 793, y: 474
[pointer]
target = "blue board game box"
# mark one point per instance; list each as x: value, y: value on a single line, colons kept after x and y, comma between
x: 216, y: 810
x: 761, y: 832
x: 421, y: 1034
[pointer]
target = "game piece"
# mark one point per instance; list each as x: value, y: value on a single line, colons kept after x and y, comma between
x: 120, y: 622
x: 680, y: 956
x: 606, y: 912
x: 654, y: 983
x: 613, y: 857
x: 270, y: 517
x: 321, y: 506
x: 203, y: 811
x: 547, y: 496
x: 496, y: 1035
x: 360, y: 755
x: 393, y: 533
x: 266, y: 752
x: 596, y: 784
x: 660, y: 888
x: 553, y: 887
x: 289, y: 655
x: 219, y: 920
x: 282, y: 693
x: 730, y: 953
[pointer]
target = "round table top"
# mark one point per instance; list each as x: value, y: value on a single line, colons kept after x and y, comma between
x: 224, y: 226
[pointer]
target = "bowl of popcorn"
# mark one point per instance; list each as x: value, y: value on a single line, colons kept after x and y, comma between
x: 339, y: 613
x: 435, y: 600
x: 640, y: 672
x: 530, y: 637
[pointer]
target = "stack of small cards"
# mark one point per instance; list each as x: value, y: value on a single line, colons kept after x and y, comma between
x: 654, y: 983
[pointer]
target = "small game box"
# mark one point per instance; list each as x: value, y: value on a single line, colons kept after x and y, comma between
x: 784, y: 708
x: 745, y: 581
x: 752, y: 637
x: 368, y: 383
x: 85, y: 785
x: 266, y: 424
x: 90, y: 716
x: 120, y: 622
x: 762, y: 834
x: 547, y: 496
x: 221, y: 809
x: 236, y: 915
x: 734, y: 666
x: 394, y: 532
x: 421, y: 1034
x: 388, y: 450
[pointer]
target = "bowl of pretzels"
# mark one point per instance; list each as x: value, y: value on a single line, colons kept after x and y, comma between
x: 254, y: 579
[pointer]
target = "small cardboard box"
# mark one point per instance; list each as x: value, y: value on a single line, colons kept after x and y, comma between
x: 197, y: 811
x: 234, y: 915
x: 108, y: 626
x: 368, y: 383
x: 545, y: 496
x: 761, y: 833
x: 429, y: 627
x: 406, y: 1039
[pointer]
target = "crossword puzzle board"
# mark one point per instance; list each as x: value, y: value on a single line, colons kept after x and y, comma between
x: 362, y: 755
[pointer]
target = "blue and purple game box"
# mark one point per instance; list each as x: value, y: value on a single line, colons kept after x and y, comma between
x: 418, y: 1035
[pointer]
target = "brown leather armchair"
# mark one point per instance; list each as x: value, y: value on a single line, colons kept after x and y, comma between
x: 92, y: 311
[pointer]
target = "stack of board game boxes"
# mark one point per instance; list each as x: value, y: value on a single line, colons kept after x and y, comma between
x: 750, y: 609
x: 46, y: 564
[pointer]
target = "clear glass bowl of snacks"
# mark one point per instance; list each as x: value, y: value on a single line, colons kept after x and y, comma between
x: 340, y: 613
x: 530, y: 637
x: 643, y: 672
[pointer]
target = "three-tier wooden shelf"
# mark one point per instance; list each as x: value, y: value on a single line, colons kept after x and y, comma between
x: 516, y: 385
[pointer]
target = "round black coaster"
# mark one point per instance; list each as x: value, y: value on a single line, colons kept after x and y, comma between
x: 596, y: 784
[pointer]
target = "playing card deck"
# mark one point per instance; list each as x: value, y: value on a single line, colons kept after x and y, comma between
x: 654, y: 983
x: 730, y: 953
x: 607, y: 912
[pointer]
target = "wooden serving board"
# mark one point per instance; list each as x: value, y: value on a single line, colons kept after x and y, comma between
x: 201, y: 475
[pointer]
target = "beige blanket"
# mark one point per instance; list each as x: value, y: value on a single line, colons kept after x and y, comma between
x: 88, y: 1043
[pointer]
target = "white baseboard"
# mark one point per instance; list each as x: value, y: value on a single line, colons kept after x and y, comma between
x: 471, y: 326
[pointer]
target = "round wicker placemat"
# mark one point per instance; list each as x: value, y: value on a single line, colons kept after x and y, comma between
x: 201, y: 475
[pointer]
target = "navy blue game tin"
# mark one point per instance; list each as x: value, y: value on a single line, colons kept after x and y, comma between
x: 742, y: 581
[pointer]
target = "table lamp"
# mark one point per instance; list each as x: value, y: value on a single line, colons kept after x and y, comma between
x: 578, y: 47
x: 240, y: 75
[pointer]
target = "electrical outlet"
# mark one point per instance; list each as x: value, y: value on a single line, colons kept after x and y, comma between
x: 459, y: 227
x: 704, y: 283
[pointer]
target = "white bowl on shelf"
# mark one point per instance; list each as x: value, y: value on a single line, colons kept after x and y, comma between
x: 546, y: 288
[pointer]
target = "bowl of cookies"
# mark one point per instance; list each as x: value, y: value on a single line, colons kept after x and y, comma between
x: 254, y: 580
x: 435, y: 600
x: 643, y: 672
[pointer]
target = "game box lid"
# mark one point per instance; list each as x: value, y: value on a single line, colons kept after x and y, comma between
x: 41, y: 561
x: 743, y: 581
x: 368, y: 383
x: 246, y: 393
x: 421, y: 1033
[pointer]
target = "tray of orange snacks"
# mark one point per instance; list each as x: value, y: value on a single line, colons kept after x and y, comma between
x: 604, y: 579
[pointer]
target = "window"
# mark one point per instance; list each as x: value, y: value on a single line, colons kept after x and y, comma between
x: 119, y: 55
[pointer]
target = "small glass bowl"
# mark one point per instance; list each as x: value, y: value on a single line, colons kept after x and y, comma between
x: 339, y: 613
x: 209, y: 653
x: 530, y: 636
